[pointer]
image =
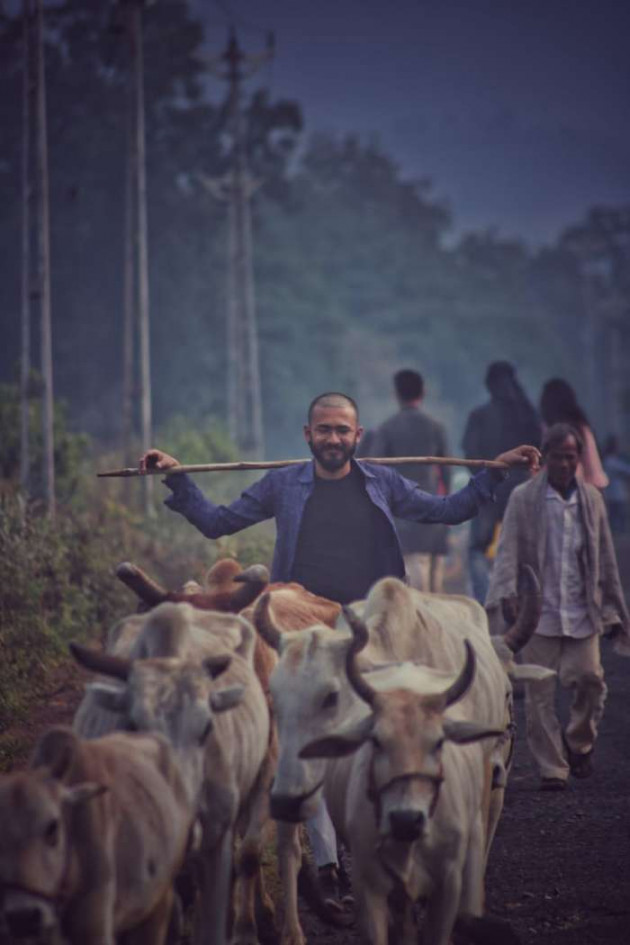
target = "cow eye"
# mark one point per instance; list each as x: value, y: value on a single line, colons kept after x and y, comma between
x: 439, y: 743
x: 375, y: 742
x: 51, y: 833
x: 331, y: 700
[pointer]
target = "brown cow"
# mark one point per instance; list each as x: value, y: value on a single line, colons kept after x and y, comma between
x: 92, y: 837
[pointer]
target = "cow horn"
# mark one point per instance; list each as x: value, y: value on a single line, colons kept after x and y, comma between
x: 103, y: 663
x: 264, y: 623
x: 530, y: 602
x: 360, y: 638
x: 255, y: 573
x: 253, y: 580
x: 141, y: 584
x: 463, y: 681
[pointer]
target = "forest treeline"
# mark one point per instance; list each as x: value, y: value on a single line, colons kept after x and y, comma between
x: 357, y: 268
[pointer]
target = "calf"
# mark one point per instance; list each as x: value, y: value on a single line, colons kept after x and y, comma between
x: 93, y: 834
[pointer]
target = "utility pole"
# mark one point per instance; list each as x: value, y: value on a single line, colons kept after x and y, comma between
x: 43, y: 246
x: 28, y: 89
x: 244, y: 395
x: 136, y: 267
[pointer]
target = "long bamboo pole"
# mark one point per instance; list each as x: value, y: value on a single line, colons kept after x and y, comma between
x: 278, y: 463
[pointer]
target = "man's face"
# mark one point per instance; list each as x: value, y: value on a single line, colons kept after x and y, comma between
x: 332, y: 435
x: 562, y: 462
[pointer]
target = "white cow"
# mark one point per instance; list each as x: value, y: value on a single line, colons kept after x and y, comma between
x: 223, y: 754
x: 93, y: 835
x: 408, y: 798
x: 311, y: 695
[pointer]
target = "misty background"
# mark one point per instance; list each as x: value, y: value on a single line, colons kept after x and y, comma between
x: 442, y: 185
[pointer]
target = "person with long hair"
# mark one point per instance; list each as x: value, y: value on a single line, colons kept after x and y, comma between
x: 559, y: 404
x: 505, y: 420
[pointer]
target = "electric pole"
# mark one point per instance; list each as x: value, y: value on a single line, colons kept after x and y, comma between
x: 136, y: 327
x: 43, y: 264
x: 244, y: 395
x: 28, y: 90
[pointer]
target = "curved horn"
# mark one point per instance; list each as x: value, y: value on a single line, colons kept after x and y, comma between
x: 141, y: 584
x: 530, y: 603
x: 103, y: 663
x: 253, y: 580
x: 360, y: 638
x: 264, y: 623
x: 463, y: 681
x: 255, y: 573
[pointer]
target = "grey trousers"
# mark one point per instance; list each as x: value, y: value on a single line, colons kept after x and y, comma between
x: 322, y: 836
x: 578, y: 665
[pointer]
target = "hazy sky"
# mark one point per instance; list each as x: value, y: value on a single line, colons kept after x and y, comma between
x: 517, y: 110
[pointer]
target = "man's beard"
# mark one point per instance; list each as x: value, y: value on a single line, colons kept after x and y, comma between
x: 332, y: 459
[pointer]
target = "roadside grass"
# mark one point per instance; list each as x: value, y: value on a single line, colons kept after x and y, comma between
x: 57, y: 584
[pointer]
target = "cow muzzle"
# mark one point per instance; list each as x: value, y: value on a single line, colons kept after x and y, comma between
x: 29, y: 920
x: 407, y: 825
x: 294, y: 808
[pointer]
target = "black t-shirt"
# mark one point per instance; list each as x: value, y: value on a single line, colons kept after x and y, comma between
x: 340, y: 532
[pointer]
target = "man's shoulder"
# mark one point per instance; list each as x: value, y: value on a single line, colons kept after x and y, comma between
x: 480, y: 412
x: 410, y: 420
x: 284, y: 475
x: 521, y: 492
x: 595, y: 496
x: 378, y: 471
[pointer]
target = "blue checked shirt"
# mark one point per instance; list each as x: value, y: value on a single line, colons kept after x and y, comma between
x: 283, y: 493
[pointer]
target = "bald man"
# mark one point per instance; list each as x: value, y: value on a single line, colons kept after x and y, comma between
x: 334, y: 515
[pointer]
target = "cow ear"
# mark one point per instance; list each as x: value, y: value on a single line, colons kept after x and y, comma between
x: 56, y: 750
x: 225, y: 699
x: 529, y: 672
x: 112, y: 698
x: 464, y: 732
x: 80, y: 793
x: 344, y: 742
x: 215, y: 665
x: 248, y: 640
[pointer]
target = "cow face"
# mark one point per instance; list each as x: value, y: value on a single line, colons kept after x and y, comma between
x: 406, y: 764
x: 35, y: 818
x: 310, y: 698
x: 176, y: 698
x: 404, y: 737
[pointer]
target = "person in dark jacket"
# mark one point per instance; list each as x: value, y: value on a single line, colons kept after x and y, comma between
x: 507, y: 419
x: 412, y: 432
x: 334, y: 516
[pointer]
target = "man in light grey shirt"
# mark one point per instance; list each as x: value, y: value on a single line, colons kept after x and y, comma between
x: 558, y: 524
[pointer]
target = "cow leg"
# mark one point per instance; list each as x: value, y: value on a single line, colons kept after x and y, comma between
x: 442, y: 908
x: 372, y: 913
x: 92, y: 920
x: 154, y: 929
x: 289, y: 862
x: 495, y: 808
x: 472, y: 896
x: 213, y: 901
x: 248, y: 872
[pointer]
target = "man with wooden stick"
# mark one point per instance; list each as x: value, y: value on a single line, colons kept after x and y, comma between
x: 334, y: 515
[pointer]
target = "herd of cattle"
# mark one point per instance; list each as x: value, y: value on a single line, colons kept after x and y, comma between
x: 220, y: 707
